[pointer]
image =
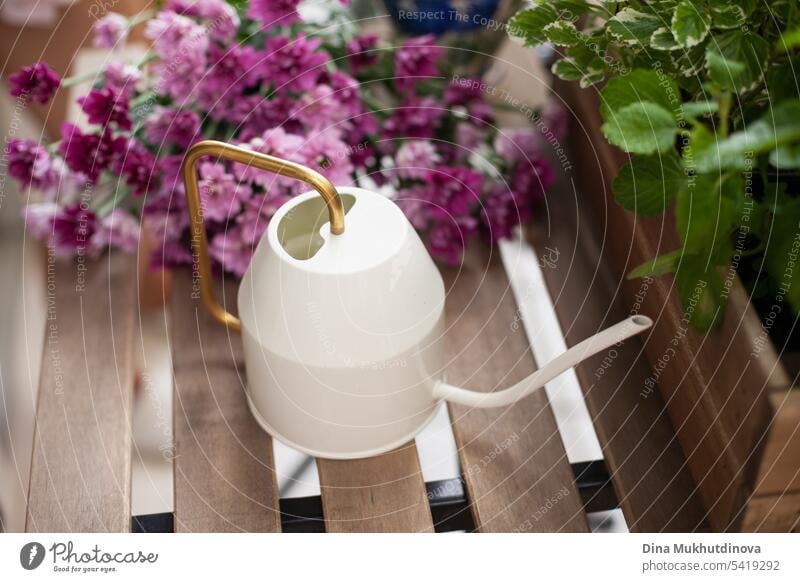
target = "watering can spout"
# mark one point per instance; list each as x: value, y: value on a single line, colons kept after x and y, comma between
x: 572, y: 357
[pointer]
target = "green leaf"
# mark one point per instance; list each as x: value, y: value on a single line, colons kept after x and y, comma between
x: 786, y: 157
x: 780, y: 256
x: 722, y: 71
x: 749, y: 49
x: 562, y: 33
x: 730, y: 14
x: 690, y: 23
x: 529, y: 24
x: 641, y: 128
x: 702, y: 291
x: 633, y: 27
x: 659, y: 266
x: 663, y: 40
x: 592, y: 77
x: 700, y: 140
x: 647, y: 185
x: 567, y: 70
x: 707, y: 212
x: 699, y: 109
x: 639, y: 85
x: 778, y: 127
x: 789, y: 40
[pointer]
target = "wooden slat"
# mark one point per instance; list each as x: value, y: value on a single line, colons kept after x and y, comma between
x: 378, y: 494
x: 773, y: 513
x: 514, y: 464
x: 647, y: 466
x: 81, y: 466
x: 779, y: 470
x: 224, y: 467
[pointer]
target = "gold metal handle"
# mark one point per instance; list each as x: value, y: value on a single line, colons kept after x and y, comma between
x: 234, y: 153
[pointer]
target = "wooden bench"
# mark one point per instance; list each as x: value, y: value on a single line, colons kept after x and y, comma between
x: 224, y: 470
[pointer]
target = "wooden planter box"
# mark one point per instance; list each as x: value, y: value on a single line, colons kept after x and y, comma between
x: 729, y: 397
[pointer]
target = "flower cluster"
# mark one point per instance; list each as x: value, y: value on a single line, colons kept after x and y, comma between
x: 351, y: 107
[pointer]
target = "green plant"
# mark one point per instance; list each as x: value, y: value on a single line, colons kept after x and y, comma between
x: 703, y: 95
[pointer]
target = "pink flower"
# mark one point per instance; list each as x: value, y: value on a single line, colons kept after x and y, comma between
x: 293, y: 63
x: 453, y: 192
x: 463, y: 91
x: 416, y: 59
x: 516, y: 144
x: 229, y: 72
x: 319, y: 107
x: 139, y: 167
x: 73, y: 227
x: 347, y: 92
x: 500, y: 213
x: 89, y: 154
x: 31, y: 165
x: 167, y: 126
x: 105, y: 106
x: 221, y: 18
x: 122, y: 78
x: 328, y: 154
x: 34, y: 83
x: 110, y: 31
x: 231, y: 251
x: 416, y: 117
x: 362, y: 53
x: 280, y: 144
x: 257, y: 212
x: 447, y: 239
x: 39, y: 219
x: 220, y: 193
x: 117, y: 229
x: 273, y: 12
x: 529, y: 182
x: 415, y: 159
x: 181, y: 45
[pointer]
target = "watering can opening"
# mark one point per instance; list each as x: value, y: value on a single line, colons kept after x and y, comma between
x: 299, y: 231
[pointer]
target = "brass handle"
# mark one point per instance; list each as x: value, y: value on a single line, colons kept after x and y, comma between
x: 226, y: 151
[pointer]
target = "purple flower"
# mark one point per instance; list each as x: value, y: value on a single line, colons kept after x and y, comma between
x: 34, y: 83
x: 273, y: 12
x: 325, y: 152
x: 181, y: 44
x: 463, y: 91
x: 167, y: 126
x: 453, y: 192
x: 257, y: 114
x: 31, y: 165
x: 319, y: 107
x: 73, y: 227
x: 447, y: 239
x: 416, y: 118
x: 39, y: 218
x: 89, y: 154
x: 221, y: 18
x: 415, y: 159
x: 278, y: 143
x: 500, y: 213
x: 122, y: 78
x: 347, y: 91
x: 293, y: 64
x: 257, y: 212
x: 231, y: 251
x: 361, y: 53
x: 529, y: 182
x: 105, y: 106
x: 515, y: 144
x: 139, y: 167
x: 221, y: 194
x: 229, y: 72
x: 117, y: 229
x: 110, y: 31
x: 416, y: 59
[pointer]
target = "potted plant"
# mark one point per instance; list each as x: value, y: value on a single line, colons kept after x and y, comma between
x: 702, y: 97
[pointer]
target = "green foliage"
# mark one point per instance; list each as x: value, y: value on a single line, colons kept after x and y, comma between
x: 704, y: 96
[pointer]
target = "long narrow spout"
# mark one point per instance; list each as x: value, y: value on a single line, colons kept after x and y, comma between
x: 560, y: 364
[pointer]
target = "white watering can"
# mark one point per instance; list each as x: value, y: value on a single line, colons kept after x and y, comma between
x: 343, y: 327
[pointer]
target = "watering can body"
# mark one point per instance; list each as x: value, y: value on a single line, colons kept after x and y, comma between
x: 343, y: 327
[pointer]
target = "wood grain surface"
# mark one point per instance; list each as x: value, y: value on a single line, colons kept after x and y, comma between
x: 647, y: 466
x: 224, y: 467
x: 378, y: 494
x: 516, y: 470
x: 80, y: 477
